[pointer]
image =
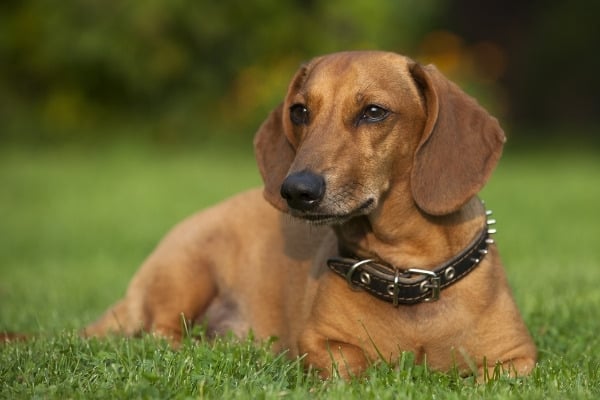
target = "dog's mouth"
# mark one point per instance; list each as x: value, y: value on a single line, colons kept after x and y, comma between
x: 317, y: 218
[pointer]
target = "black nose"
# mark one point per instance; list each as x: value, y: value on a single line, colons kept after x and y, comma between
x: 303, y: 190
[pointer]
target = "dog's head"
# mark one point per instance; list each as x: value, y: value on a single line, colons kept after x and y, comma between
x: 355, y: 125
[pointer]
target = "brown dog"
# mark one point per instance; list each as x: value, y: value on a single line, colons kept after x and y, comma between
x: 380, y: 159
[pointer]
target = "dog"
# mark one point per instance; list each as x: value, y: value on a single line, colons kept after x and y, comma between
x: 366, y: 241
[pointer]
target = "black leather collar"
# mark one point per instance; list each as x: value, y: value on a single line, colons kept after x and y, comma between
x: 411, y: 285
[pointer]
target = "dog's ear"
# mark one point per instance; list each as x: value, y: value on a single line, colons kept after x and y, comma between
x: 459, y: 149
x: 274, y: 155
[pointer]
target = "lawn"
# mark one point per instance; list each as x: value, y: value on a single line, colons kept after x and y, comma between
x: 76, y: 222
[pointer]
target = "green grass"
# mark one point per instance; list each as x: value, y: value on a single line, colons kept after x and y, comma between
x: 76, y: 223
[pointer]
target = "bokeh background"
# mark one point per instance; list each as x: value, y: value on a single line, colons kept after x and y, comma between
x: 181, y: 71
x: 119, y: 118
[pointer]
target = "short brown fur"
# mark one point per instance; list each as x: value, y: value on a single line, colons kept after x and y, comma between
x: 246, y: 264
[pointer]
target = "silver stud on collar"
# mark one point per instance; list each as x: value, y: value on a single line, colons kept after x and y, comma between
x: 490, y: 231
x: 490, y: 221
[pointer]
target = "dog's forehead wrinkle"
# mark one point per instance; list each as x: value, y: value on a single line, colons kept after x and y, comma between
x: 366, y: 90
x: 373, y: 90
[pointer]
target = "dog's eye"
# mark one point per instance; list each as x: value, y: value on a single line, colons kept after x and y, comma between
x: 373, y: 113
x: 299, y: 114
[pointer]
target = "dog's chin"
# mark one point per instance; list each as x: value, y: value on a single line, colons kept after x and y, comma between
x: 324, y: 218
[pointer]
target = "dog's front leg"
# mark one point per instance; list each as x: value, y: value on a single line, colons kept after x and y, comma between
x: 331, y: 357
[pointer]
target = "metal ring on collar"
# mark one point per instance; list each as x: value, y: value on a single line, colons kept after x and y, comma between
x: 351, y: 271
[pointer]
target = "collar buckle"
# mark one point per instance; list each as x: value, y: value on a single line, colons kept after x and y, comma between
x: 431, y: 282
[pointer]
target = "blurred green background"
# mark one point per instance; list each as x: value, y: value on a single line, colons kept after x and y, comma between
x: 118, y: 118
x: 181, y: 71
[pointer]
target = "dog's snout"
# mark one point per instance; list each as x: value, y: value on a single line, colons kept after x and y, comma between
x: 303, y: 190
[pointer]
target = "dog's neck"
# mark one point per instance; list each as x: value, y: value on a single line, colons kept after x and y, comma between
x: 417, y: 240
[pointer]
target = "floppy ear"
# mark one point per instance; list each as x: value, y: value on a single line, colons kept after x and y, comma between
x: 274, y: 155
x: 459, y: 149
